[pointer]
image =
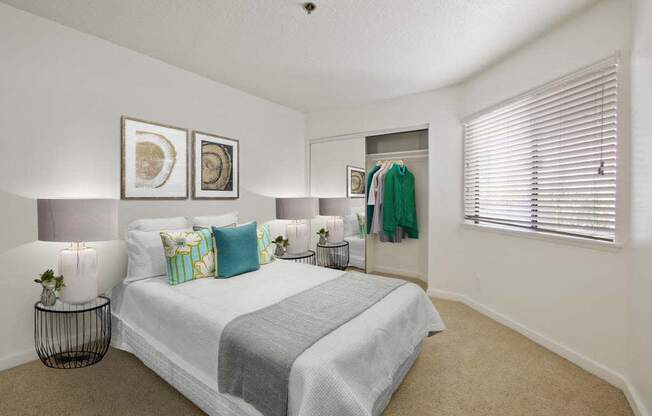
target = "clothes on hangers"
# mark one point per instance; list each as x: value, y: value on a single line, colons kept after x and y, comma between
x: 378, y: 227
x: 391, y: 207
x: 399, y: 202
x: 370, y: 208
x: 377, y: 195
x: 373, y: 190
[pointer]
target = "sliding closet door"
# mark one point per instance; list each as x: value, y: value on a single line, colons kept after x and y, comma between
x: 329, y: 162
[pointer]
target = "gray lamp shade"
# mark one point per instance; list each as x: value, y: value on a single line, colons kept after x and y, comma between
x: 77, y: 220
x: 296, y: 208
x: 334, y: 207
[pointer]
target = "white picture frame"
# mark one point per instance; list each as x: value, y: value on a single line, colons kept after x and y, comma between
x: 355, y: 182
x: 154, y: 160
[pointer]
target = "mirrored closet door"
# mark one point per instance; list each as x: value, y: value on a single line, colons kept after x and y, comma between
x: 337, y: 170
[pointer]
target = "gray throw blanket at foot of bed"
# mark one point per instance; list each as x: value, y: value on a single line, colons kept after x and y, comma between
x: 257, y: 350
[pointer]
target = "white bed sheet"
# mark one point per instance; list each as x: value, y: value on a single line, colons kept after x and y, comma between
x: 342, y: 374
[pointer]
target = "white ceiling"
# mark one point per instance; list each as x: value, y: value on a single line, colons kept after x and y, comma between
x: 347, y: 52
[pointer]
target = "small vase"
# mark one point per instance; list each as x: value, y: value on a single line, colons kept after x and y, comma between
x: 48, y: 297
x: 322, y: 239
x: 280, y: 251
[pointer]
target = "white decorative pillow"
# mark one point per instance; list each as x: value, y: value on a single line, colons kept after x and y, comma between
x: 226, y: 220
x: 158, y: 224
x: 145, y: 256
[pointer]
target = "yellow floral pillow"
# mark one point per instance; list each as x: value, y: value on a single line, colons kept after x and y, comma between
x: 189, y: 255
x: 266, y: 247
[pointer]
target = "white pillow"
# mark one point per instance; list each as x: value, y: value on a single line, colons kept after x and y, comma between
x: 159, y: 224
x: 145, y: 256
x: 215, y: 220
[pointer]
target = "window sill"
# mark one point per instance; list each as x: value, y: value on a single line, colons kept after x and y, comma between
x: 543, y: 236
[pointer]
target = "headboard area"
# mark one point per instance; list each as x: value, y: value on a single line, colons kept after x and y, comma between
x: 250, y: 207
x: 112, y: 255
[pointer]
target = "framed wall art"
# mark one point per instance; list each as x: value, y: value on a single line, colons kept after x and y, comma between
x: 215, y: 167
x: 355, y: 182
x: 154, y: 162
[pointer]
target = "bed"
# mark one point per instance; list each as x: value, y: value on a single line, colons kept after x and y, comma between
x: 175, y: 331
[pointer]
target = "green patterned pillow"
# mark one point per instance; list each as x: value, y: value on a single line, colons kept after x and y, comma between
x: 265, y: 245
x: 189, y: 255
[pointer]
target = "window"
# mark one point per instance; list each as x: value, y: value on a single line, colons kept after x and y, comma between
x: 546, y: 161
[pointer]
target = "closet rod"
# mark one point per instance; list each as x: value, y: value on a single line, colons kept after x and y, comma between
x: 408, y: 154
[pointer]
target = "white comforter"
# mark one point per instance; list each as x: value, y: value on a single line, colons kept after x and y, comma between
x: 342, y: 374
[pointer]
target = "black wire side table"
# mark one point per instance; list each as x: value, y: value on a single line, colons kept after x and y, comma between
x: 305, y: 258
x: 333, y: 255
x: 72, y: 336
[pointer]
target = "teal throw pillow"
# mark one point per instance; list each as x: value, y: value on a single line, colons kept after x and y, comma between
x: 237, y: 250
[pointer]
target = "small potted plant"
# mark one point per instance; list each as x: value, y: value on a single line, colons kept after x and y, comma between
x: 323, y: 235
x: 281, y: 244
x: 51, y: 284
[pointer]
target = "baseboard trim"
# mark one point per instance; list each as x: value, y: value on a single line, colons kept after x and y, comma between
x: 635, y: 400
x: 610, y: 376
x: 17, y: 358
x: 399, y: 272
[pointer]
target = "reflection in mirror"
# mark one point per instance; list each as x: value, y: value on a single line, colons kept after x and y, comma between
x: 336, y: 171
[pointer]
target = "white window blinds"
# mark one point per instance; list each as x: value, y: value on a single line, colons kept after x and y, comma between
x: 546, y: 161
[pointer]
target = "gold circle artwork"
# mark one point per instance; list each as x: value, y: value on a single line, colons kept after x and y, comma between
x: 216, y: 167
x: 357, y: 183
x: 155, y: 159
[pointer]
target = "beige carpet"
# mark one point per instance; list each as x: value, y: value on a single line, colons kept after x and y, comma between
x: 476, y: 367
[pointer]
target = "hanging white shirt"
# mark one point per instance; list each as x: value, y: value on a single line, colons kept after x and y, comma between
x: 374, y: 184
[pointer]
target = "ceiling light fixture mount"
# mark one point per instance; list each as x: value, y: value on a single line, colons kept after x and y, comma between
x: 309, y: 7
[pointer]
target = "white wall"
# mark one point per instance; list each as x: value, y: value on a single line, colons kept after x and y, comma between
x: 61, y: 97
x: 575, y: 299
x: 640, y: 341
x: 576, y: 296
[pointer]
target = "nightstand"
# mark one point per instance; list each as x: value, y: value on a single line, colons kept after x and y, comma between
x: 72, y: 336
x: 333, y: 255
x: 305, y: 258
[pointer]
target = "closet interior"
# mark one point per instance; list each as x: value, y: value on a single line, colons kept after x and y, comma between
x: 402, y: 154
x: 331, y: 160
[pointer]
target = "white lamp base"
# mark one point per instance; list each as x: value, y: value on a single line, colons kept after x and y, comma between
x: 78, y: 265
x: 335, y: 226
x: 298, y: 235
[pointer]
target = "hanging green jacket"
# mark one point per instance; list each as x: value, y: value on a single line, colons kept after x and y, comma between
x: 399, y: 203
x: 370, y: 208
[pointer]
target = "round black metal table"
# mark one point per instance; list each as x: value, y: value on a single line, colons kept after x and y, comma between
x: 72, y: 336
x: 333, y: 255
x: 306, y: 258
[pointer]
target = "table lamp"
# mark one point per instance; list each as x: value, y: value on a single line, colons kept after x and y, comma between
x: 335, y: 209
x: 298, y: 210
x: 76, y: 221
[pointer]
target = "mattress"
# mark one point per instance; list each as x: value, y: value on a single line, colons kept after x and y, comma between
x: 356, y: 251
x: 175, y: 330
